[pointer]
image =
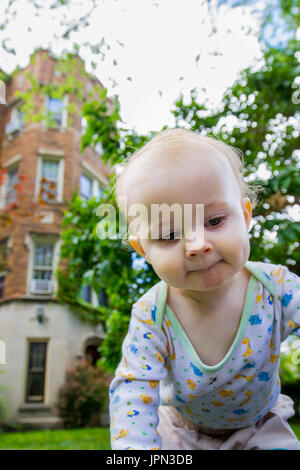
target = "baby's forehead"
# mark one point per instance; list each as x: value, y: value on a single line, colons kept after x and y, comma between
x: 181, y: 165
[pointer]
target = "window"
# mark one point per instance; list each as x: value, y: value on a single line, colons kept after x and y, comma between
x: 85, y: 187
x: 86, y: 293
x: 42, y: 268
x: 49, y: 177
x: 12, y: 181
x: 89, y: 187
x: 89, y: 295
x: 83, y: 125
x: 35, y: 389
x: 55, y: 111
x: 49, y: 180
x: 9, y: 181
x: 44, y: 257
x: 16, y: 123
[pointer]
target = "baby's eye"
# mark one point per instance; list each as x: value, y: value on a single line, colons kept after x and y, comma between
x: 214, y: 222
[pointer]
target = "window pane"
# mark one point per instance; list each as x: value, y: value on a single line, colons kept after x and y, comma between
x: 37, y: 356
x: 50, y: 170
x: 43, y: 255
x: 18, y: 118
x: 45, y: 274
x: 35, y: 385
x: 16, y: 122
x: 85, y: 187
x: 86, y: 293
x: 48, y: 183
x: 55, y: 107
x: 12, y: 179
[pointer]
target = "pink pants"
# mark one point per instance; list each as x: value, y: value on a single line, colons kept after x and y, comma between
x: 270, y: 432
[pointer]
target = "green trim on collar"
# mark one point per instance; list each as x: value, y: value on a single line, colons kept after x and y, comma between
x: 161, y: 303
x: 253, y: 267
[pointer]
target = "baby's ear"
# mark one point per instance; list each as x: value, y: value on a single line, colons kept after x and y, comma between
x: 135, y: 243
x: 247, y: 210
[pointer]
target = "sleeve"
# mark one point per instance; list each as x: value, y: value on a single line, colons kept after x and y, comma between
x: 134, y: 390
x: 289, y: 302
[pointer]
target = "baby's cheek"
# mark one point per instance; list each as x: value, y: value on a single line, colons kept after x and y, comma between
x: 169, y: 266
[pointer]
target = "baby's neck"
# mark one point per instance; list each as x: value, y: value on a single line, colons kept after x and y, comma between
x: 209, y: 301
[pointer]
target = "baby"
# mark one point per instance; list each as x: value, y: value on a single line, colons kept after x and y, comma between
x: 200, y: 361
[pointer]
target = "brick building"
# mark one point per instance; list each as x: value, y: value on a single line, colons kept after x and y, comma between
x: 41, y: 337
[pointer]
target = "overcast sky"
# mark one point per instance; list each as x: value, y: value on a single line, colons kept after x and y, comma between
x: 152, y: 50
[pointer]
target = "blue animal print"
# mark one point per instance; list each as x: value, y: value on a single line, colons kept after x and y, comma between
x: 286, y: 299
x: 255, y: 320
x: 264, y: 377
x: 196, y: 370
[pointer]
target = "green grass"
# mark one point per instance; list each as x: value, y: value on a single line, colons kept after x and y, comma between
x: 62, y: 439
x: 77, y: 439
x: 296, y: 429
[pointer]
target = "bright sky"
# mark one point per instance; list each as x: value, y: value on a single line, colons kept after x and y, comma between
x: 152, y: 49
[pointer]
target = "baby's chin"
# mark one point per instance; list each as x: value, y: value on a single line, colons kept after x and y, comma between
x: 215, y: 276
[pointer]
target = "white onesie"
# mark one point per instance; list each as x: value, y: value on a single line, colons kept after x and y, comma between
x: 159, y: 365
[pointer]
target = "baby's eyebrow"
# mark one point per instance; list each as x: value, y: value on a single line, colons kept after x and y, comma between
x: 216, y: 202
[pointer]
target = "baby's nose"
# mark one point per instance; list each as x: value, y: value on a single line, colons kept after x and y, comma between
x: 191, y: 253
x: 199, y: 244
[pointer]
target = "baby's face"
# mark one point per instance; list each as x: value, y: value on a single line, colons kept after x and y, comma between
x: 206, y: 178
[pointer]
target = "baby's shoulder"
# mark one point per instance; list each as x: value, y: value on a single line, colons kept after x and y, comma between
x: 276, y: 274
x: 146, y: 305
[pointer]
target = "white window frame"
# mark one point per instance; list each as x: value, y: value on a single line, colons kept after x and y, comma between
x: 53, y: 156
x: 31, y: 241
x: 9, y: 165
x: 64, y: 117
x: 96, y: 183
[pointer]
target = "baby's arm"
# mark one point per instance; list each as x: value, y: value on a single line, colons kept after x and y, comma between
x: 134, y: 391
x: 289, y: 288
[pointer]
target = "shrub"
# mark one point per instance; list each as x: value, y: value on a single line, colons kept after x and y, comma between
x: 84, y: 394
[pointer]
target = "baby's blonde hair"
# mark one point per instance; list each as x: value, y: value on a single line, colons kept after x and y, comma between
x: 174, y: 140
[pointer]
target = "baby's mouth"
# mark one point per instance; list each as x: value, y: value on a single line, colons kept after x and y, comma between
x: 204, y: 268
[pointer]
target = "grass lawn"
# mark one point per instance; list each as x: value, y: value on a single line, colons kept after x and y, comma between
x: 296, y: 429
x: 61, y: 439
x: 77, y: 439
